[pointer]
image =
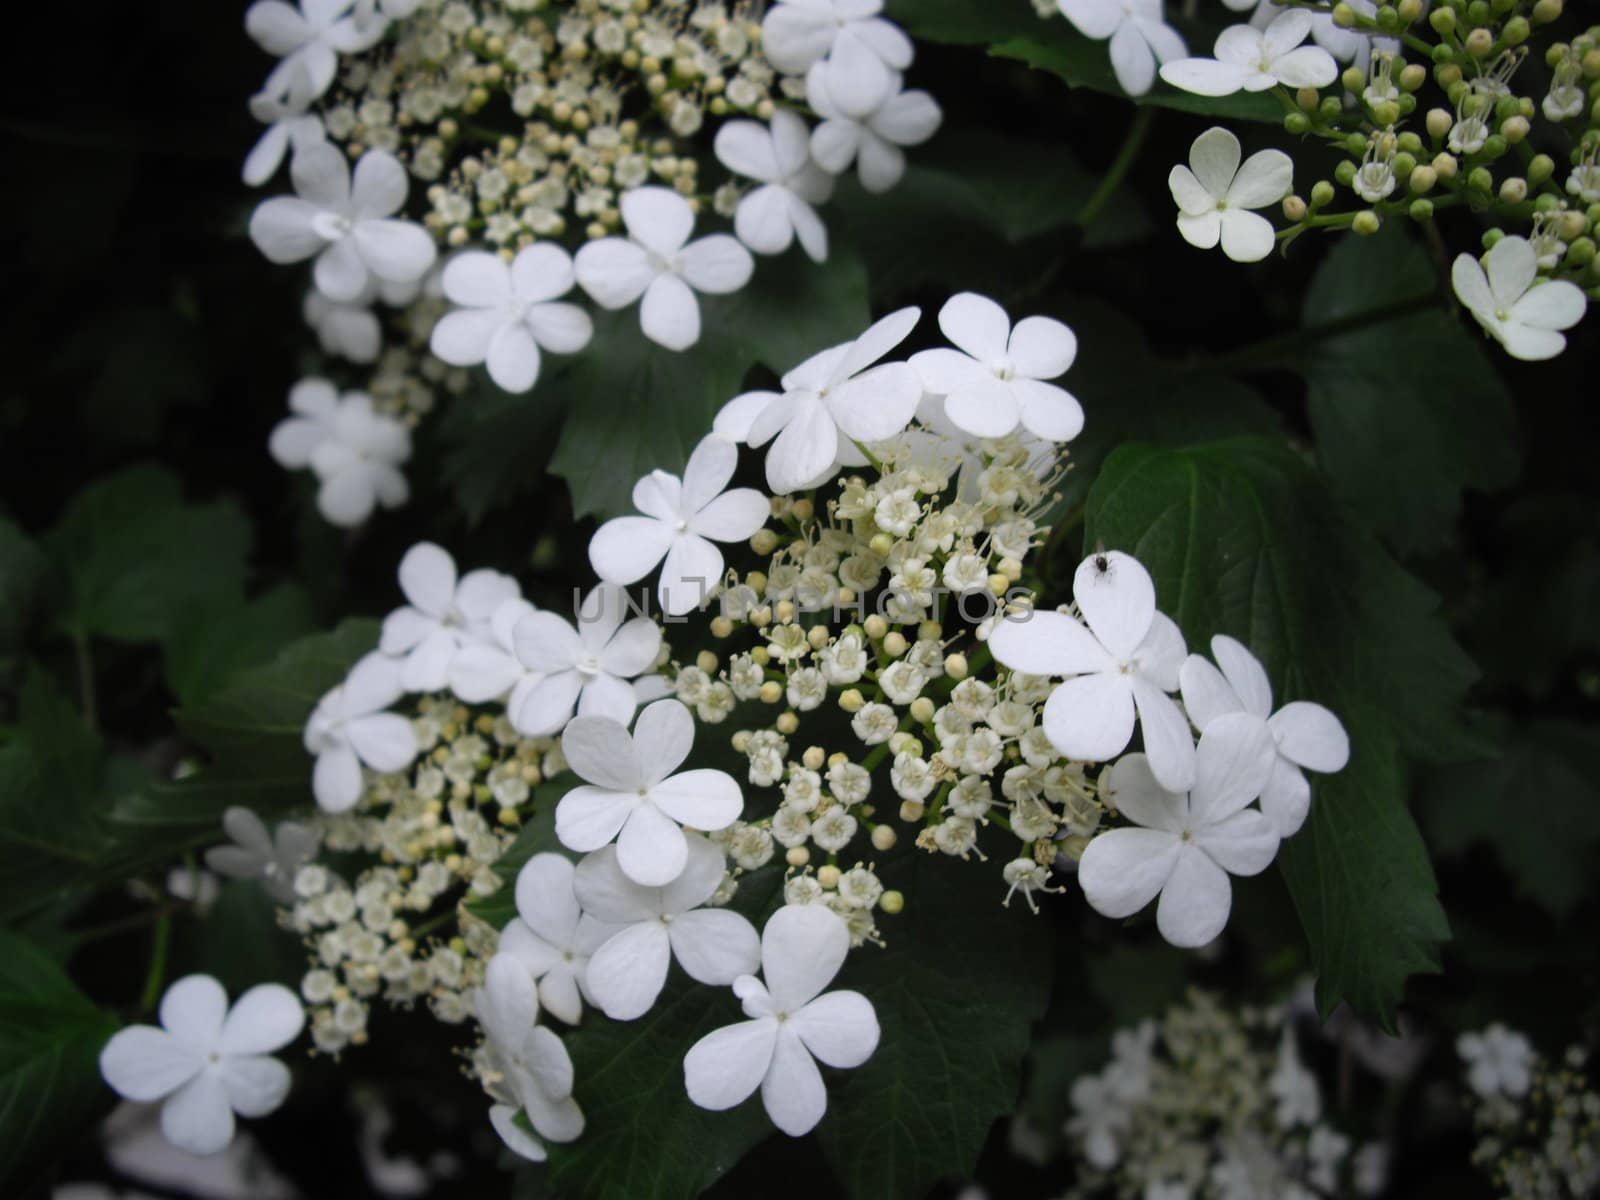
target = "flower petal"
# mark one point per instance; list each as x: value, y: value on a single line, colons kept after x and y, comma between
x: 1041, y: 348
x: 614, y: 271
x: 192, y: 1011
x: 546, y: 705
x: 1311, y: 736
x: 477, y: 279
x: 792, y: 1091
x: 802, y: 949
x: 1202, y: 231
x: 627, y: 973
x: 1246, y: 237
x: 714, y: 945
x: 255, y: 1084
x: 1122, y: 870
x: 513, y: 358
x: 1189, y: 193
x: 632, y: 649
x: 1286, y: 800
x: 1204, y: 76
x: 282, y: 230
x: 976, y: 325
x: 541, y: 272
x: 601, y: 752
x: 1265, y: 178
x: 336, y: 779
x: 1132, y: 59
x: 1554, y: 304
x: 1168, y: 743
x: 266, y: 1018
x: 716, y: 265
x: 726, y: 1066
x: 1118, y: 600
x: 732, y: 516
x: 383, y: 741
x: 1048, y: 412
x: 670, y: 314
x: 1133, y: 791
x: 398, y: 251
x: 662, y: 739
x: 1245, y: 675
x: 143, y: 1063
x: 1206, y: 694
x: 1243, y: 844
x: 650, y: 849
x: 340, y: 273
x: 197, y: 1118
x: 545, y: 899
x: 517, y: 1139
x: 482, y: 673
x: 545, y: 643
x: 1195, y: 901
x: 839, y: 1028
x: 1307, y: 67
x: 462, y: 338
x: 1048, y: 643
x: 560, y: 328
x: 1230, y: 767
x: 745, y: 148
x: 704, y: 799
x: 378, y: 187
x: 589, y: 817
x: 626, y: 549
x: 658, y: 219
x: 985, y: 408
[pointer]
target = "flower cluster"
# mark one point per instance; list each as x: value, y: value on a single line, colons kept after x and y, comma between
x: 542, y: 130
x: 1537, y: 1121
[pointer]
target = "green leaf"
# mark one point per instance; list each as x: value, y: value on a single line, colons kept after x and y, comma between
x: 252, y: 731
x: 1537, y: 807
x: 205, y: 652
x: 957, y: 990
x: 1243, y: 539
x: 50, y: 1040
x: 1409, y: 411
x: 139, y: 562
x: 22, y: 574
x: 633, y: 406
x: 1052, y: 44
x: 51, y: 833
x: 498, y: 445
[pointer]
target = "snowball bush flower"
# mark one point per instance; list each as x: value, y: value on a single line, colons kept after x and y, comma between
x: 445, y: 614
x: 779, y: 158
x: 535, y: 1066
x: 588, y: 666
x: 488, y: 668
x: 993, y: 381
x: 1256, y: 59
x: 683, y: 518
x: 1185, y: 846
x: 507, y: 312
x: 1499, y: 1061
x: 631, y: 795
x: 1140, y: 39
x: 551, y: 936
x: 864, y: 48
x: 792, y: 1026
x: 271, y: 859
x: 289, y: 127
x: 871, y: 138
x: 1214, y: 195
x: 308, y: 38
x: 1306, y: 735
x: 355, y: 452
x: 829, y: 401
x: 1124, y: 662
x: 650, y: 926
x: 1505, y: 295
x: 344, y: 221
x: 206, y: 1061
x: 349, y: 728
x: 658, y: 262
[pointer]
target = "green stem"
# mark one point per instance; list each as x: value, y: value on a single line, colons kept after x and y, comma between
x: 158, y: 964
x: 122, y: 924
x: 1271, y: 351
x: 1131, y: 145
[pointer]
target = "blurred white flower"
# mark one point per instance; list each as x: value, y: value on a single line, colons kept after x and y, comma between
x: 350, y: 727
x: 1214, y: 195
x: 445, y: 613
x: 1140, y: 39
x: 1254, y: 60
x: 589, y: 666
x: 779, y: 158
x: 1517, y: 309
x: 271, y: 859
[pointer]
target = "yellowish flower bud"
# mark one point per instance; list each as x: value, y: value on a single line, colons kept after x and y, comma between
x: 799, y: 856
x: 771, y: 692
x: 894, y: 644
x: 851, y: 700
x: 763, y: 541
x: 828, y: 876
x: 955, y: 666
x: 922, y: 710
x: 884, y: 837
x: 892, y: 902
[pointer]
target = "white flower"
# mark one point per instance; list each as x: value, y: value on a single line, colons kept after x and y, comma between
x: 444, y: 614
x: 630, y: 793
x: 1299, y: 1100
x: 993, y: 381
x: 683, y: 518
x: 343, y: 220
x: 779, y: 158
x: 1139, y: 37
x: 309, y: 39
x: 207, y: 1061
x: 658, y: 262
x: 658, y: 924
x: 489, y: 669
x: 863, y: 48
x: 1499, y: 1061
x: 1304, y: 734
x: 829, y: 402
x: 347, y: 331
x: 1256, y: 60
x: 588, y: 666
x: 289, y: 127
x: 551, y: 936
x: 536, y: 1069
x: 355, y: 452
x: 792, y: 1026
x: 349, y: 728
x: 871, y: 138
x: 1214, y: 194
x: 1523, y: 314
x: 1124, y: 662
x: 269, y: 859
x: 507, y: 313
x: 1188, y: 844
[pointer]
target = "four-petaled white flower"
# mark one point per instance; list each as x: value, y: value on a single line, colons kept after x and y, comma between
x: 829, y: 402
x: 355, y: 452
x: 1524, y: 315
x: 271, y: 859
x: 683, y: 518
x: 871, y: 138
x: 653, y: 925
x: 445, y: 614
x: 207, y: 1061
x: 344, y: 221
x: 507, y: 312
x: 589, y: 666
x: 1214, y: 195
x: 792, y: 1026
x: 551, y: 936
x: 1140, y: 39
x: 288, y: 127
x: 1126, y: 661
x: 1256, y: 59
x: 658, y: 262
x: 1306, y: 735
x: 535, y: 1068
x: 349, y: 728
x: 779, y: 158
x: 1186, y: 846
x: 308, y: 38
x: 487, y: 669
x: 862, y: 48
x: 1499, y: 1061
x: 350, y: 331
x: 994, y: 381
x: 631, y: 795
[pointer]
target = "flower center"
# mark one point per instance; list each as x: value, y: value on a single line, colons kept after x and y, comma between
x: 588, y: 665
x: 330, y: 226
x: 1003, y: 369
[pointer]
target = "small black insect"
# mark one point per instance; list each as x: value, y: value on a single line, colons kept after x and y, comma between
x: 1100, y: 564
